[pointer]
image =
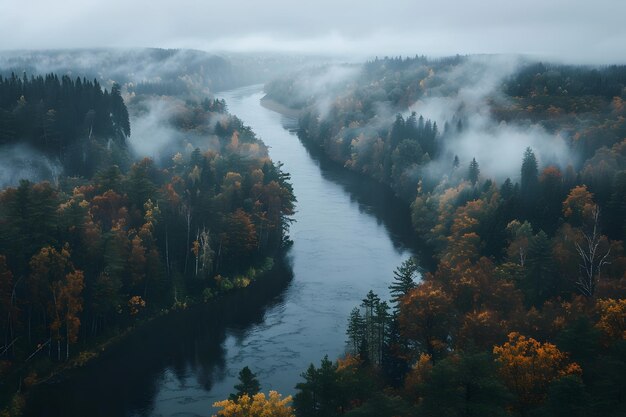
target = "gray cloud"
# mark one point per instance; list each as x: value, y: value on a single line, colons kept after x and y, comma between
x: 569, y: 30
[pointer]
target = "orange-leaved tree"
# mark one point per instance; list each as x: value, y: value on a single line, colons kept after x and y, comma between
x: 612, y: 320
x: 426, y: 317
x: 256, y: 406
x: 527, y: 367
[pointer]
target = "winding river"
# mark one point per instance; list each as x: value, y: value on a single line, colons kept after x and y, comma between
x: 349, y: 235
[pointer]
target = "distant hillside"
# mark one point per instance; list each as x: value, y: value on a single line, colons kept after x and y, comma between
x: 152, y: 70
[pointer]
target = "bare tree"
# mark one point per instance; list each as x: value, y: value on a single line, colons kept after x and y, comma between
x: 593, y: 257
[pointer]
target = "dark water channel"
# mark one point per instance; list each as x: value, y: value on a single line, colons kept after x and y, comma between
x: 348, y: 237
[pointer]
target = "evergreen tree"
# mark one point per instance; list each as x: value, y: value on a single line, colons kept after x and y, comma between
x: 355, y: 330
x: 320, y: 394
x: 248, y: 384
x: 530, y: 175
x: 473, y: 172
x: 403, y: 281
x: 541, y: 281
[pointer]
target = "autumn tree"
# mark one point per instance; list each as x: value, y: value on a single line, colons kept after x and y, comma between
x: 527, y: 367
x: 68, y: 303
x: 257, y: 405
x: 8, y: 307
x: 47, y: 267
x: 521, y: 235
x: 426, y: 319
x: 592, y: 247
x: 240, y: 237
x: 612, y: 320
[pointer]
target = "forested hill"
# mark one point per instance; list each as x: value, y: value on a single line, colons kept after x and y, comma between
x: 69, y: 120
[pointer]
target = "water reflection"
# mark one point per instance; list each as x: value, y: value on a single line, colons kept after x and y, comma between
x: 170, y: 364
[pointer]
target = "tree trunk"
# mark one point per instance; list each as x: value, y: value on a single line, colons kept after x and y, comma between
x: 167, y: 252
x: 187, y: 241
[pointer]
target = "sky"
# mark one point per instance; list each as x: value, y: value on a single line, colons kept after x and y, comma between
x: 579, y: 31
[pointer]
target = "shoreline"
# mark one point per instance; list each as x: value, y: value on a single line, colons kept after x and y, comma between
x: 17, y: 406
x: 279, y: 108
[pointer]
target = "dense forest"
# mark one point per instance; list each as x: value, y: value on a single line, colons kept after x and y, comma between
x: 514, y: 172
x: 525, y: 313
x: 114, y: 242
x: 73, y: 121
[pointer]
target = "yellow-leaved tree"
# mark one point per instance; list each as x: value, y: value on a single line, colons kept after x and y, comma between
x: 256, y: 406
x: 612, y: 320
x: 527, y: 367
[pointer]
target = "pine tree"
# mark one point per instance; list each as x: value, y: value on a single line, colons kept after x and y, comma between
x: 455, y: 163
x: 403, y: 281
x: 355, y: 330
x: 530, y: 175
x: 248, y: 384
x: 474, y: 171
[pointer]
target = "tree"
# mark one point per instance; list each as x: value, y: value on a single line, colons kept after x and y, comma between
x: 426, y: 318
x: 319, y: 395
x: 541, y: 281
x: 567, y: 397
x: 591, y: 246
x: 612, y: 320
x: 594, y: 255
x: 355, y: 330
x: 464, y: 385
x: 119, y: 113
x: 256, y: 406
x: 530, y: 176
x: 403, y: 281
x: 473, y: 172
x: 8, y: 309
x: 240, y: 237
x: 521, y: 235
x: 68, y: 303
x: 527, y: 367
x: 248, y: 384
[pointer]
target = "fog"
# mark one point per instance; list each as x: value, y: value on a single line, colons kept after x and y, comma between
x: 570, y: 30
x: 497, y: 147
x: 20, y: 162
x: 155, y: 135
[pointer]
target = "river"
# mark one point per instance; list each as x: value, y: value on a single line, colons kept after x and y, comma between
x: 349, y: 235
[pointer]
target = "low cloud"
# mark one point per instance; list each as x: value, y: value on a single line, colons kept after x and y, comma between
x: 19, y: 162
x: 560, y: 29
x: 498, y: 147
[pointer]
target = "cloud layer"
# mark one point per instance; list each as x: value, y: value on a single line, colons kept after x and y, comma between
x: 570, y: 30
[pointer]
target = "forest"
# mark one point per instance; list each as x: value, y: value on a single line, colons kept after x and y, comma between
x: 524, y: 313
x: 158, y: 199
x: 115, y: 239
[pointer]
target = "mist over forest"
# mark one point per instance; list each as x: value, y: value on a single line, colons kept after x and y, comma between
x: 313, y: 210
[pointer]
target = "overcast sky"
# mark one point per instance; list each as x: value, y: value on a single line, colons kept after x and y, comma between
x: 574, y: 30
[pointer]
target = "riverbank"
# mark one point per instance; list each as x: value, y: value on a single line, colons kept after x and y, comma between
x: 277, y: 107
x: 31, y: 384
x: 426, y: 253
